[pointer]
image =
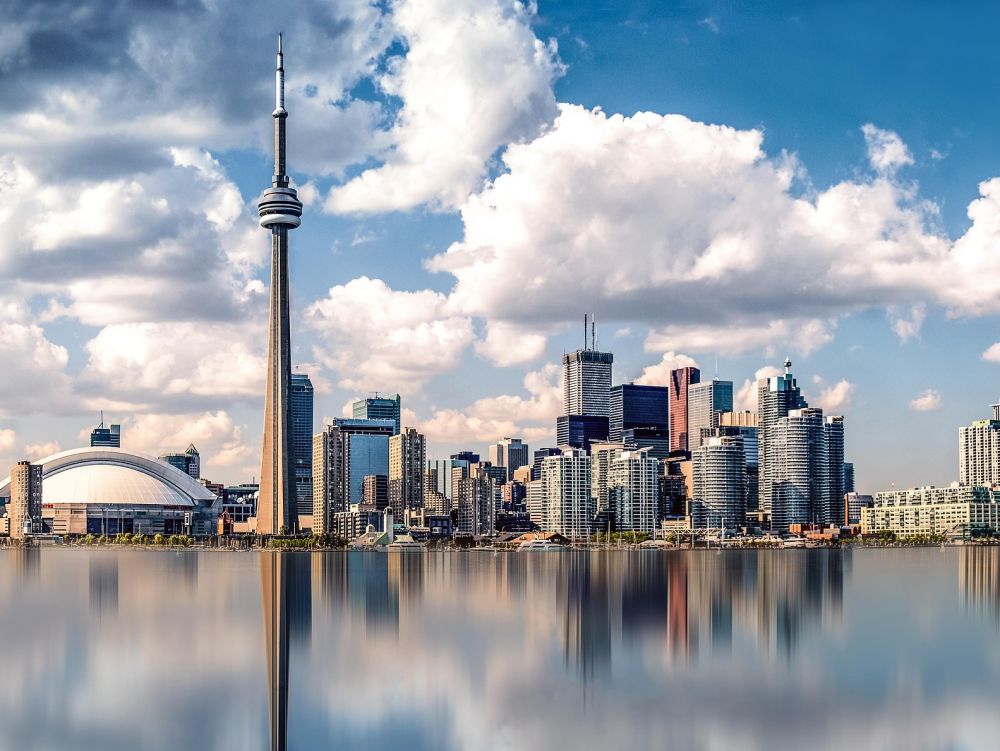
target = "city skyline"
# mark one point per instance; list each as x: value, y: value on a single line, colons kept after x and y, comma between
x: 119, y: 259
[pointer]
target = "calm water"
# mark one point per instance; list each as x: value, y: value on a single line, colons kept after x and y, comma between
x: 819, y: 649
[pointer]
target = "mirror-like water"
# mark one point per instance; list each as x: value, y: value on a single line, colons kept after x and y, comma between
x: 869, y: 649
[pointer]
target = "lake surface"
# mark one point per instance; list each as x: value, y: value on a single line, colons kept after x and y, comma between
x: 818, y: 649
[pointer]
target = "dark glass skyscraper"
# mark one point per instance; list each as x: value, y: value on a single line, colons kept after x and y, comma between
x: 579, y: 431
x: 301, y: 442
x: 634, y: 406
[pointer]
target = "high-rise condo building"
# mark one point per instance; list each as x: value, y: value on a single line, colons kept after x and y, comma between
x: 566, y: 493
x: 280, y: 211
x: 110, y: 436
x: 848, y: 477
x: 800, y: 474
x: 776, y: 397
x: 705, y: 402
x: 407, y: 459
x: 718, y: 483
x: 378, y: 408
x: 680, y: 380
x: 602, y: 454
x: 536, y: 460
x: 301, y: 417
x: 375, y: 492
x: 442, y: 476
x: 587, y: 380
x: 833, y: 430
x: 343, y: 455
x: 24, y: 510
x: 633, y: 491
x: 509, y: 453
x: 475, y: 500
x: 979, y: 451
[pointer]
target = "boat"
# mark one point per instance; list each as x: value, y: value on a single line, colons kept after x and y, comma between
x: 405, y: 543
x: 794, y: 542
x: 540, y: 544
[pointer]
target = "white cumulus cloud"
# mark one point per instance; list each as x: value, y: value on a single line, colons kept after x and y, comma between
x: 927, y: 400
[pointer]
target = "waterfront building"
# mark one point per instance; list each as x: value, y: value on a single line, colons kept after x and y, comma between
x: 956, y: 511
x: 681, y: 380
x: 636, y: 406
x: 776, y: 397
x: 705, y: 402
x: 111, y: 491
x: 475, y: 503
x: 189, y: 462
x: 509, y: 453
x: 343, y: 455
x: 633, y: 491
x: 579, y: 431
x: 538, y: 510
x: 352, y: 523
x: 537, y: 458
x: 301, y: 420
x: 800, y: 479
x: 833, y: 435
x: 718, y: 483
x: 435, y: 501
x: 587, y: 381
x: 566, y: 492
x: 979, y: 451
x: 106, y: 437
x: 240, y: 502
x: 407, y: 458
x: 24, y: 509
x: 601, y: 457
x: 280, y: 211
x: 379, y: 408
x: 747, y: 435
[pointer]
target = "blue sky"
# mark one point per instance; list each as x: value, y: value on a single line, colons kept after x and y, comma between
x: 798, y: 184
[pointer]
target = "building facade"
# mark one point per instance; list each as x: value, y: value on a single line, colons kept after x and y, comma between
x: 106, y: 437
x: 301, y: 419
x: 407, y: 459
x: 776, y: 397
x: 475, y: 502
x: 379, y: 408
x: 681, y: 380
x: 979, y: 451
x: 718, y: 483
x: 633, y: 491
x: 24, y: 509
x: 636, y: 406
x: 602, y: 455
x: 800, y: 479
x: 566, y: 492
x: 587, y: 382
x: 579, y: 431
x: 955, y: 511
x: 705, y: 402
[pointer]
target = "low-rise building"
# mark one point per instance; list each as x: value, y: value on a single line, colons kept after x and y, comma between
x: 955, y: 511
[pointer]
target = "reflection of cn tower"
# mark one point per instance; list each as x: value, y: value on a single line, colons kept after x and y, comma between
x: 979, y: 578
x: 274, y: 584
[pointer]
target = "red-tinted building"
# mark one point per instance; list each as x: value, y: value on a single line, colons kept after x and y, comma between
x: 680, y: 379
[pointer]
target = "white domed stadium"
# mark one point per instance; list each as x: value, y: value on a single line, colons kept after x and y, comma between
x: 109, y: 490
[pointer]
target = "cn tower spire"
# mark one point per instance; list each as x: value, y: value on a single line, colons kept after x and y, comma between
x: 280, y: 210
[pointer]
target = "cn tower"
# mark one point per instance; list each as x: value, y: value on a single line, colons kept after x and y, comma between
x: 280, y: 210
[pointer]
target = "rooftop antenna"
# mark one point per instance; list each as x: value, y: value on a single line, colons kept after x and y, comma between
x: 788, y: 366
x: 593, y: 331
x: 585, y: 331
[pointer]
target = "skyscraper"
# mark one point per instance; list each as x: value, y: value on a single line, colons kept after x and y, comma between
x: 378, y: 408
x: 705, y: 401
x: 579, y: 431
x: 566, y: 493
x: 407, y: 457
x: 110, y: 436
x: 587, y: 380
x: 776, y: 397
x: 509, y: 453
x: 536, y: 460
x: 25, y: 508
x: 280, y: 211
x: 641, y: 409
x: 189, y: 462
x: 475, y: 500
x: 718, y: 483
x: 799, y: 470
x: 301, y: 416
x: 680, y: 380
x: 633, y: 491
